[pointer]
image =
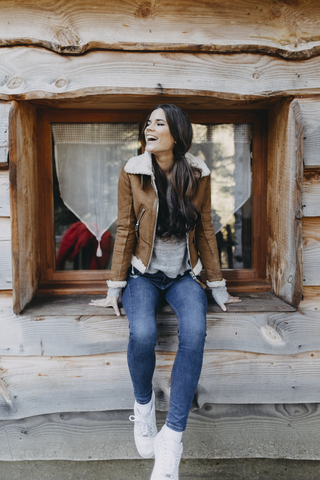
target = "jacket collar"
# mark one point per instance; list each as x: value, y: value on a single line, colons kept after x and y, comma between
x: 142, y: 164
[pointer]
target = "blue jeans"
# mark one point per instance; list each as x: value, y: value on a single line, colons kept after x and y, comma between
x: 141, y: 299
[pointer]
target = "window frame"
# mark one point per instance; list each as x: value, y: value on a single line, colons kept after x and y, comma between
x: 93, y: 282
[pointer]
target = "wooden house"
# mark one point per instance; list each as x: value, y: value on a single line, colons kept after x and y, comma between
x: 65, y: 391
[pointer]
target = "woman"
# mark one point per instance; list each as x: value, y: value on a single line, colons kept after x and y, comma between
x: 164, y: 239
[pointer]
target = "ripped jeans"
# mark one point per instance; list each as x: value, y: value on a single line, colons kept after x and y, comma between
x: 141, y: 299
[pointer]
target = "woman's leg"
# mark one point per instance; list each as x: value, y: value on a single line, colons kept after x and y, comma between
x: 140, y: 300
x: 189, y: 302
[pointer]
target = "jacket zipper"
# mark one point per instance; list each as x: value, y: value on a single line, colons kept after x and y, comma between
x: 136, y: 227
x: 154, y: 232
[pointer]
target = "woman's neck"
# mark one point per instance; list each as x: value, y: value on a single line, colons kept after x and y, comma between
x: 165, y: 162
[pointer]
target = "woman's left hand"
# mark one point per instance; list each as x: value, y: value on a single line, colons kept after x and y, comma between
x: 231, y: 299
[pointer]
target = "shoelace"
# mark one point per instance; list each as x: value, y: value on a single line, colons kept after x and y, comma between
x: 144, y: 423
x: 169, y: 460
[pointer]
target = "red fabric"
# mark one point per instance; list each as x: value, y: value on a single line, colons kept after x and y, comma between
x: 77, y: 237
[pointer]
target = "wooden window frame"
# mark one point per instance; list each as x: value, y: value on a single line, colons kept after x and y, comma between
x: 93, y: 282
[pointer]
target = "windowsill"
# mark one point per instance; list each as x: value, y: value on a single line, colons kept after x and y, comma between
x: 66, y: 305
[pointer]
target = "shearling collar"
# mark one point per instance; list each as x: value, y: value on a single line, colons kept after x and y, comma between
x: 142, y: 164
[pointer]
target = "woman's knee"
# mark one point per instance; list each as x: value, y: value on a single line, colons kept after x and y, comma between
x: 192, y: 338
x: 144, y: 335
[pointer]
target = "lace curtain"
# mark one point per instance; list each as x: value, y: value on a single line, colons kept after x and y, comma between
x: 88, y: 161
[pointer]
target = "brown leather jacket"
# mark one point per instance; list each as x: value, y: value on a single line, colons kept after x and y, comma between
x: 137, y: 220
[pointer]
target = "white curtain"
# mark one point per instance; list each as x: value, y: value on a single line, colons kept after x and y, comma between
x: 227, y: 151
x: 88, y: 161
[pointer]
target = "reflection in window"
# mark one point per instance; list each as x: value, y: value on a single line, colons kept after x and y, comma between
x: 87, y: 160
x: 227, y: 151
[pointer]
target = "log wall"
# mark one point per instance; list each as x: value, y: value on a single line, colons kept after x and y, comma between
x: 289, y: 29
x: 65, y: 391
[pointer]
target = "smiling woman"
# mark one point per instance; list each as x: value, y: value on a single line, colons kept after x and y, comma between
x: 166, y: 192
x: 231, y: 144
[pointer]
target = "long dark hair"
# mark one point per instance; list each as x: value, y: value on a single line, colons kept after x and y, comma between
x: 177, y: 214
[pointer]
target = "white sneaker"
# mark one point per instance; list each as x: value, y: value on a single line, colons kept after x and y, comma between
x: 145, y: 429
x: 167, y: 458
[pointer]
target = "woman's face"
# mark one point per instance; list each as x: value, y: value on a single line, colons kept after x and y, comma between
x: 157, y: 134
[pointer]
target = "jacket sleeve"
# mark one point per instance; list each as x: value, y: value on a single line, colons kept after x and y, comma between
x: 125, y: 238
x: 206, y: 239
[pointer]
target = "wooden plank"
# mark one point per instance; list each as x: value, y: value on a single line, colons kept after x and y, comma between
x: 40, y: 385
x: 4, y: 134
x: 284, y: 210
x: 78, y: 305
x: 24, y: 203
x: 215, y: 431
x: 311, y: 301
x: 288, y: 29
x: 311, y: 251
x: 4, y: 194
x: 311, y: 193
x: 35, y: 73
x: 268, y: 333
x: 310, y: 109
x: 5, y: 254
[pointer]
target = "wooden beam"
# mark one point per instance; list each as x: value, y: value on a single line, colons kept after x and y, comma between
x: 24, y: 204
x: 39, y: 385
x: 5, y: 255
x: 311, y: 193
x: 311, y: 251
x: 218, y: 431
x: 4, y: 135
x: 310, y: 110
x: 62, y: 335
x: 287, y: 29
x: 4, y: 194
x: 284, y: 211
x: 34, y: 73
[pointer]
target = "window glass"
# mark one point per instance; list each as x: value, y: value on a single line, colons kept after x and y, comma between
x: 227, y: 151
x: 87, y: 159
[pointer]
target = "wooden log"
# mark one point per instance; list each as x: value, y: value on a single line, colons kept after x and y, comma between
x: 215, y: 431
x: 287, y: 29
x: 310, y: 109
x: 285, y: 163
x: 41, y: 385
x: 35, y: 73
x: 4, y: 194
x: 4, y: 134
x: 24, y: 204
x: 69, y: 335
x: 5, y: 255
x: 311, y: 251
x: 311, y: 193
x: 311, y: 301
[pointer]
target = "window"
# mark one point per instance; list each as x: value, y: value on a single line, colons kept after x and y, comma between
x: 81, y: 155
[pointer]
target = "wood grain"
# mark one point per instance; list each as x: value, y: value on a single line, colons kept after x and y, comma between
x: 311, y: 193
x: 5, y: 255
x: 39, y: 385
x: 24, y: 203
x: 4, y: 134
x: 4, y: 194
x: 310, y: 109
x: 290, y: 29
x: 311, y: 251
x: 284, y: 197
x: 268, y: 333
x: 215, y: 431
x: 35, y: 73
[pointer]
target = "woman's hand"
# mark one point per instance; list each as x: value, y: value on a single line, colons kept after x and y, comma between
x: 107, y: 302
x: 231, y: 299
